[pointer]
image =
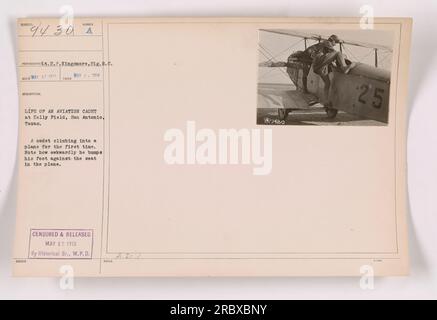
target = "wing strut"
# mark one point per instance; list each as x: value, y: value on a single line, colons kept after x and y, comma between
x: 376, y: 57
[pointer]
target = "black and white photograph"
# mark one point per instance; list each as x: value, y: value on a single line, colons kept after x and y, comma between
x: 324, y: 77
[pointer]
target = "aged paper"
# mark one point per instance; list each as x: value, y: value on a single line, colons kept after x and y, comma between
x: 212, y: 147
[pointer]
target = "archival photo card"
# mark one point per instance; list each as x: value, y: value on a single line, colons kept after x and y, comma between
x: 140, y: 153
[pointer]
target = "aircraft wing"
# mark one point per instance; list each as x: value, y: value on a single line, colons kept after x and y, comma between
x: 304, y: 35
x: 281, y: 96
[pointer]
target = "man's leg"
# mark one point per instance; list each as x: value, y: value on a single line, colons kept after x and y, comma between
x: 341, y: 62
x: 328, y: 58
x: 327, y: 86
x: 323, y: 73
x: 305, y: 72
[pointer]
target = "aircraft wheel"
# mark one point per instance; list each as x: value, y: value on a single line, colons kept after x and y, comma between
x: 287, y: 111
x: 282, y: 114
x: 331, y: 112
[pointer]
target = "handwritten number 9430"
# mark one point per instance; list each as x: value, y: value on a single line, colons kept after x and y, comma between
x: 46, y: 30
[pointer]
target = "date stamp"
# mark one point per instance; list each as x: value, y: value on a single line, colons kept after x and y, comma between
x: 61, y: 243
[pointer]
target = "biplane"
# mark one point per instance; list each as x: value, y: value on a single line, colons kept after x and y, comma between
x: 363, y: 92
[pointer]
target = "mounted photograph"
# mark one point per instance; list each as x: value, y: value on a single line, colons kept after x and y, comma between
x: 324, y: 77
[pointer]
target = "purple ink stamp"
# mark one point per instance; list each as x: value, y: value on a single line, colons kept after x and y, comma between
x: 61, y: 243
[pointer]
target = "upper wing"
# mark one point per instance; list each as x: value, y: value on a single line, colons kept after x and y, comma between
x: 311, y: 36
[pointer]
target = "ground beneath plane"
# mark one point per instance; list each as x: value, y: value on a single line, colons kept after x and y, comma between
x: 314, y: 115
